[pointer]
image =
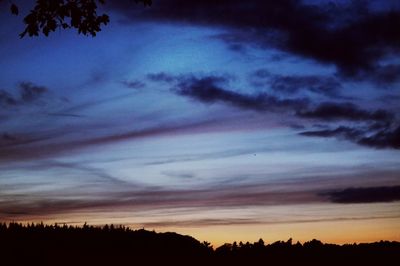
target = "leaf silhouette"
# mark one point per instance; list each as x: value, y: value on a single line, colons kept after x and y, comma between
x: 14, y: 9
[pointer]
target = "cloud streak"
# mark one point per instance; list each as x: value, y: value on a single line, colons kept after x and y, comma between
x: 123, y: 196
x: 35, y: 146
x: 209, y: 90
x: 329, y: 111
x: 295, y: 84
x: 383, y: 138
x: 139, y: 197
x: 6, y: 99
x: 365, y: 195
x: 28, y: 93
x: 134, y: 84
x: 253, y: 221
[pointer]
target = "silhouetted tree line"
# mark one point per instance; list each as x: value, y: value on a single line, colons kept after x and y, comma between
x: 39, y: 244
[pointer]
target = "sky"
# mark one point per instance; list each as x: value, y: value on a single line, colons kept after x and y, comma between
x: 226, y: 120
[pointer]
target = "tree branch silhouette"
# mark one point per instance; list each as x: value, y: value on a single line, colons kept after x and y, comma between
x: 49, y: 15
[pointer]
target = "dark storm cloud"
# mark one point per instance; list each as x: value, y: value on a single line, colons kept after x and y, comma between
x: 345, y: 132
x: 386, y: 137
x: 383, y: 76
x: 351, y: 36
x: 239, y: 41
x: 285, y: 84
x: 371, y: 128
x: 365, y: 195
x: 345, y: 111
x: 376, y: 128
x: 209, y: 90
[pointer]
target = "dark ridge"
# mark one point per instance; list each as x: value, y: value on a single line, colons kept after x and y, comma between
x: 39, y: 244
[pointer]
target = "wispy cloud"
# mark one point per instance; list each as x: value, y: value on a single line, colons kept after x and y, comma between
x: 6, y: 99
x: 294, y: 84
x: 139, y: 198
x: 28, y: 92
x: 48, y: 145
x: 134, y: 84
x: 162, y: 76
x: 329, y: 111
x: 254, y: 221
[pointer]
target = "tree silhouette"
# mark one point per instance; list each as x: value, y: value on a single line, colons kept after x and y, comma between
x: 42, y: 244
x: 48, y: 15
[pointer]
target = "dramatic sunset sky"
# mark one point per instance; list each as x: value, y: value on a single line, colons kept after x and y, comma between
x: 225, y: 120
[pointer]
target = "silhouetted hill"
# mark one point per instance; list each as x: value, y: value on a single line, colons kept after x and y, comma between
x: 67, y: 245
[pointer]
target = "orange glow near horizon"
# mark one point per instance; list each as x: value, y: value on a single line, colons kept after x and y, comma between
x: 329, y: 223
x: 328, y: 232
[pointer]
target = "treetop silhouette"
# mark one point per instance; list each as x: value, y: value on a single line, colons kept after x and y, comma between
x: 42, y: 244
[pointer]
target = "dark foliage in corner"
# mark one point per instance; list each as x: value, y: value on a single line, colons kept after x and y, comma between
x: 48, y: 15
